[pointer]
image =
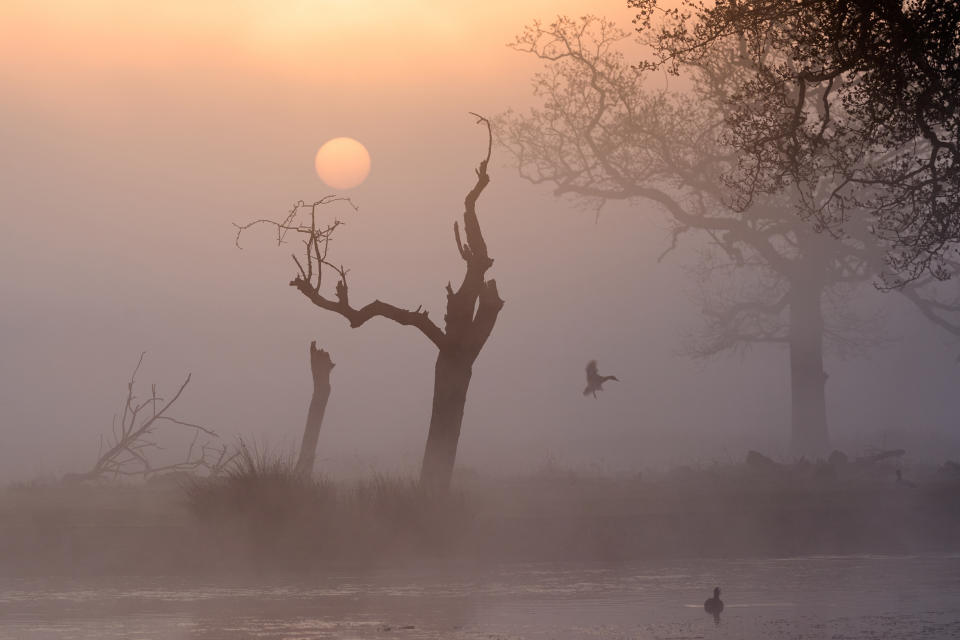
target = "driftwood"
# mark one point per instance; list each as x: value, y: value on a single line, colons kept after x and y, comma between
x: 838, y: 458
x: 760, y: 462
x: 881, y: 455
x: 128, y: 448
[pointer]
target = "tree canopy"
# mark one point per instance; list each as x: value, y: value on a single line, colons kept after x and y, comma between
x: 865, y: 93
x: 603, y: 131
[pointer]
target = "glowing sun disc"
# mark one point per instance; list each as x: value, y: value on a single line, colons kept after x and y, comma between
x: 343, y: 163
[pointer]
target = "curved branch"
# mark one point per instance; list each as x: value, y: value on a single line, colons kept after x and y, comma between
x: 929, y: 307
x: 377, y: 308
x: 471, y: 225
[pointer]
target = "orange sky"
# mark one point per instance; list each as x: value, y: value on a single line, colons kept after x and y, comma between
x: 353, y: 42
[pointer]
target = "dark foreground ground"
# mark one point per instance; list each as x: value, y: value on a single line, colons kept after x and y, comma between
x: 750, y: 510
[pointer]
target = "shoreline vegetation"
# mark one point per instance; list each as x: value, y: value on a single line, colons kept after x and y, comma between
x: 261, y: 516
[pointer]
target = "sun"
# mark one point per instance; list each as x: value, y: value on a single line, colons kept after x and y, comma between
x: 343, y: 163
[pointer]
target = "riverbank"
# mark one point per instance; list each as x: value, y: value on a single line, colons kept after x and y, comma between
x: 747, y: 510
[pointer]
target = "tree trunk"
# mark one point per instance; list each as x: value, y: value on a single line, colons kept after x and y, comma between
x: 807, y: 377
x: 472, y: 311
x: 450, y: 383
x: 320, y: 367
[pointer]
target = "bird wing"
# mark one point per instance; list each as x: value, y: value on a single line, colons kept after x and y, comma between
x: 591, y: 368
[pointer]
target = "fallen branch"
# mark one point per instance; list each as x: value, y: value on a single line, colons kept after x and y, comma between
x: 127, y: 450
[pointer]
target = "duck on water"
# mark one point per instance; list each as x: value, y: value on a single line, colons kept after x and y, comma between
x: 714, y: 605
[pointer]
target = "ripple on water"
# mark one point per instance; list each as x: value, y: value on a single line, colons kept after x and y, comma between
x: 917, y: 597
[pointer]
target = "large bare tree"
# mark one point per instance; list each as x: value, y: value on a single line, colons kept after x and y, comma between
x: 472, y: 311
x: 600, y: 134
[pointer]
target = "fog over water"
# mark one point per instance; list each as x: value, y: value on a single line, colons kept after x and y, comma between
x: 128, y: 155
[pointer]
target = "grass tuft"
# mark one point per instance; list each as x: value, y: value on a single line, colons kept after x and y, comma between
x: 285, y: 518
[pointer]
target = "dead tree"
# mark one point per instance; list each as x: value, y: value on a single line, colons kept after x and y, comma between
x: 320, y: 366
x: 127, y: 450
x: 472, y: 311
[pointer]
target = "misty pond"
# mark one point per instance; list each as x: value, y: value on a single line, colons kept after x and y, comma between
x: 533, y: 199
x: 812, y: 597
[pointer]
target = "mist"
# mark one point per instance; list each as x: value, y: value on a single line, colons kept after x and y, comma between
x: 121, y: 187
x: 135, y: 140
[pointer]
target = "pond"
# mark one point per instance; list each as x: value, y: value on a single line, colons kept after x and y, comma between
x: 797, y: 598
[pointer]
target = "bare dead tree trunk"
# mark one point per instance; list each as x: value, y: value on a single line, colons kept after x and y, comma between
x: 451, y: 380
x: 320, y: 366
x: 472, y: 311
x: 809, y: 434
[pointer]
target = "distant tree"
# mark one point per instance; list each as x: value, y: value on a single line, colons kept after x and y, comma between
x: 321, y: 366
x: 767, y: 277
x: 864, y: 91
x: 472, y: 311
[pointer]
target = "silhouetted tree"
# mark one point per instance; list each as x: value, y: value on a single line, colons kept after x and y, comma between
x: 865, y: 91
x: 600, y: 135
x: 472, y: 311
x: 320, y: 368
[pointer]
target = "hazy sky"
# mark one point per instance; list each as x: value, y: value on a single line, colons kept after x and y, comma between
x: 134, y: 134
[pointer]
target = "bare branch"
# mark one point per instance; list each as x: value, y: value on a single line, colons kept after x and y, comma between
x: 199, y: 428
x: 309, y: 279
x: 933, y: 309
x: 377, y: 308
x: 133, y: 431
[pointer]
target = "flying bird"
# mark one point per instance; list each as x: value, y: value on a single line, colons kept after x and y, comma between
x: 595, y: 380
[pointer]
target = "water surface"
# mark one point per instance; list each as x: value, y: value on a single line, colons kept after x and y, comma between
x: 820, y: 597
